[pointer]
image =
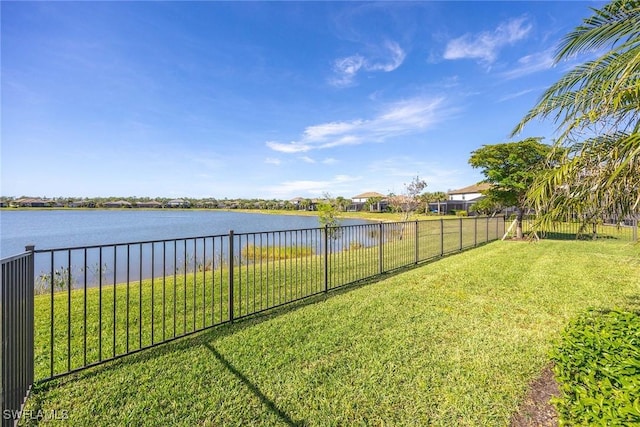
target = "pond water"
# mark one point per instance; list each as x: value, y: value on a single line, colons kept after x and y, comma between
x: 48, y: 229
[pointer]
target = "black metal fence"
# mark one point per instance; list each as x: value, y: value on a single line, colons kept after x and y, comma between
x: 93, y: 304
x: 16, y: 334
x: 99, y: 303
x: 625, y: 229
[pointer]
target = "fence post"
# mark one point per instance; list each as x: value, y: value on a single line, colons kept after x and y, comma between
x: 29, y: 319
x: 326, y: 258
x: 231, y: 275
x: 16, y: 334
x: 475, y: 231
x: 635, y: 230
x: 417, y: 259
x: 460, y: 234
x: 380, y: 254
x: 486, y: 240
x: 441, y: 237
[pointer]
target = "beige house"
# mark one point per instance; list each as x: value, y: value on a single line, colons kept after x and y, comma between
x: 462, y: 199
x: 472, y: 192
x: 117, y: 204
x: 149, y: 205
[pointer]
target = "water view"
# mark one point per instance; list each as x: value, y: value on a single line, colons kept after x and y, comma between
x: 48, y: 229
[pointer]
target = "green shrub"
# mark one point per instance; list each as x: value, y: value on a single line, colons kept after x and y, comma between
x: 598, y: 367
x: 462, y: 213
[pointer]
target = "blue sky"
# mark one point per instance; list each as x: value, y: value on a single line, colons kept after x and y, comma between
x: 267, y: 99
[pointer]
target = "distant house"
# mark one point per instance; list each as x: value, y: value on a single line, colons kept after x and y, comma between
x: 149, y: 205
x: 302, y: 204
x: 82, y: 204
x: 29, y: 202
x: 178, y: 203
x: 358, y: 202
x: 472, y: 192
x: 117, y: 204
x: 464, y: 198
x: 208, y: 203
x: 296, y: 202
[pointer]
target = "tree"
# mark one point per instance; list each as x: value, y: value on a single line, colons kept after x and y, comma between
x: 596, y: 108
x: 342, y: 204
x: 306, y: 204
x: 511, y: 169
x: 487, y: 206
x: 435, y: 197
x: 373, y: 203
x: 328, y: 216
x: 408, y: 202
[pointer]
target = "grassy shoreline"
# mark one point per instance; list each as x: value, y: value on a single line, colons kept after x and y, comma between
x: 370, y: 216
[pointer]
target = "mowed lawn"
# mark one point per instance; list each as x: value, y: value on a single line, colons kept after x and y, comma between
x: 454, y: 342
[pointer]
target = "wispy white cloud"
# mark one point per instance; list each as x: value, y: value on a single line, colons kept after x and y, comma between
x: 292, y: 147
x: 530, y: 64
x: 307, y: 159
x: 272, y: 161
x: 407, y: 116
x: 346, y: 70
x: 516, y: 94
x: 335, y: 185
x: 385, y: 58
x: 329, y: 161
x: 485, y: 46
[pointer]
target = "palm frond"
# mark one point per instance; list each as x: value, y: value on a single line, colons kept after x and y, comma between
x: 617, y: 21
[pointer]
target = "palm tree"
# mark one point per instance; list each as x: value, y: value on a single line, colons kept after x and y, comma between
x: 436, y: 197
x: 596, y: 108
x: 342, y: 204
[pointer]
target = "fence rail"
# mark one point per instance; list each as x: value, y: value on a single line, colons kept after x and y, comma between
x: 625, y: 229
x: 16, y: 334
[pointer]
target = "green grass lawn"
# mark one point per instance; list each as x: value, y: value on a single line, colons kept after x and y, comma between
x: 454, y: 342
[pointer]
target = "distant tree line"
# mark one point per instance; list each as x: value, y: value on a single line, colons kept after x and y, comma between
x: 160, y: 202
x: 407, y: 203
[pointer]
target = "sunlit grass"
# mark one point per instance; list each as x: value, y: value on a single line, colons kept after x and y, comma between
x: 254, y: 253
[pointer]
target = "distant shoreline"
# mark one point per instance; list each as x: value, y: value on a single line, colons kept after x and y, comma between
x: 370, y: 216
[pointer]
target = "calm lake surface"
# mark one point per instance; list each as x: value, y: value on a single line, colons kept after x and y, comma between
x: 48, y: 229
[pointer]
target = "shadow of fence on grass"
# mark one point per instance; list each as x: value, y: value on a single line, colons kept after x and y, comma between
x: 270, y: 404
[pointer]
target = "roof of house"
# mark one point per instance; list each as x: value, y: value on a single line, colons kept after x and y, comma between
x: 368, y: 195
x: 30, y: 200
x: 475, y: 188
